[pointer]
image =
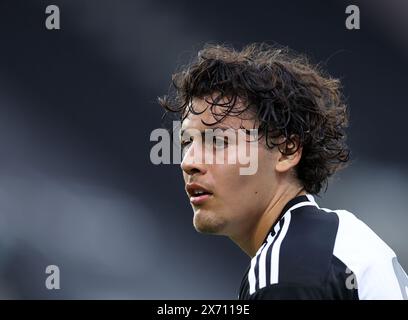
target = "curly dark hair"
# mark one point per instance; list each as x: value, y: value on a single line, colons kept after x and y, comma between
x: 290, y: 98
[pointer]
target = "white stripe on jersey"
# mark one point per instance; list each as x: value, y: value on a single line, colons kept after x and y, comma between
x: 262, y: 263
x: 251, y: 274
x: 276, y: 249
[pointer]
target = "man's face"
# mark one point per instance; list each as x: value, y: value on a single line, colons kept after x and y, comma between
x: 235, y: 202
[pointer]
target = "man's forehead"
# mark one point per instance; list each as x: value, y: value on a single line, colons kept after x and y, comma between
x: 205, y: 121
x: 210, y: 116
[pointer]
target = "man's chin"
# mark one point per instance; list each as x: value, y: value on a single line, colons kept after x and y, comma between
x: 204, y: 223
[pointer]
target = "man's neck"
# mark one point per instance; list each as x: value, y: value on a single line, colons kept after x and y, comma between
x: 251, y: 244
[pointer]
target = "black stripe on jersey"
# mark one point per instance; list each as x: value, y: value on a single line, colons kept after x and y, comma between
x: 307, y: 250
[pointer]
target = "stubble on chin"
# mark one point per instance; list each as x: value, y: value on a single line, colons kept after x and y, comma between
x: 206, y: 222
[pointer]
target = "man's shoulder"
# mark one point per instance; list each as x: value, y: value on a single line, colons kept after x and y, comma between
x: 343, y: 232
x: 297, y: 253
x: 373, y: 264
x: 321, y: 253
x: 306, y: 252
x: 355, y: 236
x: 333, y: 238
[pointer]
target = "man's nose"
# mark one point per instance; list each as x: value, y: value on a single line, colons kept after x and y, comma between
x: 193, y: 161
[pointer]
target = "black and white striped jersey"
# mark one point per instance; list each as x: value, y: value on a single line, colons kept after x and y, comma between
x: 316, y: 253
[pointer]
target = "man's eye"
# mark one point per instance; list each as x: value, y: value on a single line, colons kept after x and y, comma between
x: 185, y: 143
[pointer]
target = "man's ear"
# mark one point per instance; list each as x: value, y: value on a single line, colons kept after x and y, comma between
x: 290, y: 153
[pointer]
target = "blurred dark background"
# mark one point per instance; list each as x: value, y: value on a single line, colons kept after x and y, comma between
x: 77, y: 188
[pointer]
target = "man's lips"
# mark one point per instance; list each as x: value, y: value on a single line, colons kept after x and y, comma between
x: 198, y: 193
x: 200, y: 199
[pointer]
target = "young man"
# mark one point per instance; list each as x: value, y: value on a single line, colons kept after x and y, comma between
x: 298, y: 250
